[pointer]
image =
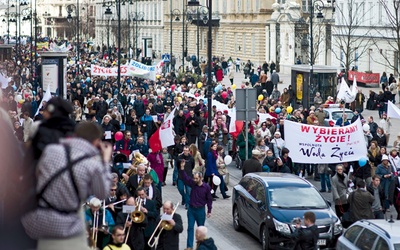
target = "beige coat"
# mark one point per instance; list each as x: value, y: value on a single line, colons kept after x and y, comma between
x: 199, y: 164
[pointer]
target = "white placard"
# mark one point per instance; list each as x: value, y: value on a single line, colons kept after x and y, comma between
x: 108, y: 135
x: 50, y: 76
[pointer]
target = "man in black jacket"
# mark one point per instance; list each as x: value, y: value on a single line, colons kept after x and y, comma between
x: 192, y: 124
x: 169, y: 239
x: 377, y: 191
x: 253, y: 164
x: 179, y: 123
x: 306, y: 238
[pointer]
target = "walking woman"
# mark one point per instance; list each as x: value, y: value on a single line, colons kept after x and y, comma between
x: 211, y: 171
x: 199, y: 163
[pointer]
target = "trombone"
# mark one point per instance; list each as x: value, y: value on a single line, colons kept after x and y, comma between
x: 95, y: 228
x: 163, y: 224
x: 136, y: 216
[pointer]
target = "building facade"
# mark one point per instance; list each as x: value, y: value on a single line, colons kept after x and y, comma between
x: 374, y: 44
x: 141, y: 26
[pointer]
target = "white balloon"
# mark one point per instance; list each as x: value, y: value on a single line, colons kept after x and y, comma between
x: 228, y: 159
x: 365, y: 127
x: 18, y: 98
x: 216, y: 180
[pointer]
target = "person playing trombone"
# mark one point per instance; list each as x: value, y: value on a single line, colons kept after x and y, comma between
x: 101, y: 222
x: 135, y: 238
x: 149, y: 209
x: 169, y: 239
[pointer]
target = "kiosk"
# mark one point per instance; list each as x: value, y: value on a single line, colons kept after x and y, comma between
x: 54, y: 72
x: 324, y: 81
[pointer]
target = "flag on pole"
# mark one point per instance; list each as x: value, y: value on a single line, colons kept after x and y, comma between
x: 46, y: 98
x: 164, y: 136
x: 393, y: 111
x: 345, y: 94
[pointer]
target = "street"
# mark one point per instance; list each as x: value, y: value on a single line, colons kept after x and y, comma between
x: 220, y: 224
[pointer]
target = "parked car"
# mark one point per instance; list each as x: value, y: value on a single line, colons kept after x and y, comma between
x: 266, y: 203
x: 333, y: 114
x: 371, y: 235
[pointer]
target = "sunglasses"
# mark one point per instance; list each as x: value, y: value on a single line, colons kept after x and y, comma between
x: 113, y: 189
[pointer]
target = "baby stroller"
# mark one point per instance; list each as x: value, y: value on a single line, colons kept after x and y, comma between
x: 236, y: 158
x: 118, y: 166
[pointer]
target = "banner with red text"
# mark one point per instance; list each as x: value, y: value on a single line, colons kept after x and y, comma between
x: 315, y: 144
x: 126, y: 70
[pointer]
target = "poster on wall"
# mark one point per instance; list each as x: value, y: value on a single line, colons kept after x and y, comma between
x: 50, y: 74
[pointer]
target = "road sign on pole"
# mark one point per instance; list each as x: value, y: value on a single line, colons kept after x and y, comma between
x: 166, y: 58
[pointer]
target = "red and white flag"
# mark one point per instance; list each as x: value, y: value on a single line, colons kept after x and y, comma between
x: 164, y: 136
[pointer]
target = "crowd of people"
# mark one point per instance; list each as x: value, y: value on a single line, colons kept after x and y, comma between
x: 104, y: 108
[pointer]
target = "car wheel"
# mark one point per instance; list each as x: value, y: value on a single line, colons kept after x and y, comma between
x: 264, y: 237
x: 236, y: 219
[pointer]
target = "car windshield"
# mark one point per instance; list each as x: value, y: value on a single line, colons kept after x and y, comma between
x: 396, y: 246
x: 295, y: 198
x: 337, y: 114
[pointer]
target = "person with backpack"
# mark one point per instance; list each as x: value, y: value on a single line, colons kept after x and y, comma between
x: 68, y: 173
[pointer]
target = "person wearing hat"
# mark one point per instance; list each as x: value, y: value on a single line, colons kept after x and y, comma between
x: 253, y: 164
x: 396, y: 143
x: 55, y: 125
x: 387, y: 173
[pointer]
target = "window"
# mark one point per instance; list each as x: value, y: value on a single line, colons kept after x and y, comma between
x: 366, y: 239
x: 244, y: 43
x: 239, y: 5
x: 352, y: 233
x: 253, y: 43
x: 287, y: 197
x: 258, y: 192
x: 60, y: 10
x: 382, y: 244
x: 305, y: 5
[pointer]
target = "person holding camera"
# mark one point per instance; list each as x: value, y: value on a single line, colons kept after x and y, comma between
x: 306, y: 237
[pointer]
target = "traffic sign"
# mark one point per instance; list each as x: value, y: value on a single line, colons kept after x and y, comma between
x: 166, y: 57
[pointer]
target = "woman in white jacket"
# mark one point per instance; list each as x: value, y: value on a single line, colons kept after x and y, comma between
x: 199, y: 163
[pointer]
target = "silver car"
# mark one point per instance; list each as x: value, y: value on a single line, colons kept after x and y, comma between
x: 371, y: 235
x: 333, y: 114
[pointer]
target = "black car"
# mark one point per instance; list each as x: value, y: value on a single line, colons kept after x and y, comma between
x: 266, y: 204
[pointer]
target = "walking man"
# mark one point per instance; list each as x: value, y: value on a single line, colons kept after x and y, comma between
x: 199, y: 197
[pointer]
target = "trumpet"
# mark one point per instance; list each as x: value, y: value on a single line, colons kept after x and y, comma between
x: 162, y: 225
x: 137, y: 216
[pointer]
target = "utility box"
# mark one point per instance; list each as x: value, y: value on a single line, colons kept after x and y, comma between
x: 54, y: 72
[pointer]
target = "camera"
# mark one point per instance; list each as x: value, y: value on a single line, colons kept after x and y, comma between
x: 296, y: 220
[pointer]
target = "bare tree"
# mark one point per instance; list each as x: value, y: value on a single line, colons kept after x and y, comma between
x: 391, y: 32
x: 351, y: 19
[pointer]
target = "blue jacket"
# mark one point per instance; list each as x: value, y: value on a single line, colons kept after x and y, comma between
x: 143, y: 148
x: 211, y: 165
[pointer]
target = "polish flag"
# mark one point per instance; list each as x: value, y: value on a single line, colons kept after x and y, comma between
x: 164, y: 136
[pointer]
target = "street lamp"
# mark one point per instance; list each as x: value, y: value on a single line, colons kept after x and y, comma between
x: 137, y: 17
x: 195, y: 3
x: 201, y: 15
x: 318, y: 5
x: 72, y: 8
x: 174, y: 16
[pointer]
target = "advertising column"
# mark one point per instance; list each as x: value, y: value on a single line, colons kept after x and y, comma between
x: 54, y: 73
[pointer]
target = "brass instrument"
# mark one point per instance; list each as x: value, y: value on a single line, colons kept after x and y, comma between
x: 94, y: 228
x: 162, y: 225
x: 137, y: 159
x: 104, y: 226
x: 138, y: 216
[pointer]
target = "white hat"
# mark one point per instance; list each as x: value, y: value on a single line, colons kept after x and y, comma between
x: 256, y: 152
x: 385, y: 157
x: 95, y: 202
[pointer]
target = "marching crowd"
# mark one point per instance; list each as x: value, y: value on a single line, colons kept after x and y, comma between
x: 86, y: 129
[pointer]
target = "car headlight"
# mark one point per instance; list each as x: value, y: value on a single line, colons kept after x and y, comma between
x: 281, y: 227
x: 338, y: 228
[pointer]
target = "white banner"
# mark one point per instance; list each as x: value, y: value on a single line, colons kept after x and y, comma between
x: 315, y: 144
x: 393, y: 111
x: 126, y: 70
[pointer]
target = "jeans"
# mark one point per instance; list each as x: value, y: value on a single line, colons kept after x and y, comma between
x: 184, y: 190
x: 325, y: 182
x: 378, y: 214
x: 197, y: 215
x: 175, y: 173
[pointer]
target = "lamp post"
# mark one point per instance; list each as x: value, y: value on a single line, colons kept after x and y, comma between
x: 137, y: 17
x: 71, y: 8
x: 174, y: 16
x: 318, y: 5
x: 201, y: 14
x: 195, y: 3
